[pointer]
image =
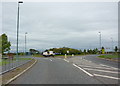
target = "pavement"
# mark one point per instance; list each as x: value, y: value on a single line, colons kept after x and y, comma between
x: 77, y: 70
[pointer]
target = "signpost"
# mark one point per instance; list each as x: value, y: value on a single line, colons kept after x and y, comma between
x: 67, y: 53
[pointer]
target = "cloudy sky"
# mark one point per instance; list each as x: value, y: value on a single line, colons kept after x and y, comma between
x: 59, y: 24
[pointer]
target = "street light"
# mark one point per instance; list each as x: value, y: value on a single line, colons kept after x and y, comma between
x: 25, y: 42
x: 100, y: 41
x: 18, y: 26
x: 112, y: 43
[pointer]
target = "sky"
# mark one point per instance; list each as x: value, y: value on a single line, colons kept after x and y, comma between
x: 61, y: 24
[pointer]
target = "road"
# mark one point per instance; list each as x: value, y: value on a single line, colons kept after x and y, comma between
x: 97, y: 60
x: 64, y: 71
x: 104, y: 70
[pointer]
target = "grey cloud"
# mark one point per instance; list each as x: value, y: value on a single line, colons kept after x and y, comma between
x: 62, y: 24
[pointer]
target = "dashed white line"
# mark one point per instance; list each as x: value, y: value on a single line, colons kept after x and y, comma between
x: 100, y: 70
x: 90, y: 61
x: 83, y: 70
x: 66, y: 60
x: 58, y: 58
x: 50, y: 59
x: 107, y: 76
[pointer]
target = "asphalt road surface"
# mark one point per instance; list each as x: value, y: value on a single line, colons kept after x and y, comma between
x: 97, y: 60
x: 67, y: 71
x: 103, y: 70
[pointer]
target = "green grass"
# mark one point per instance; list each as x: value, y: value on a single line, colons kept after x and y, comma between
x: 109, y: 56
x: 25, y: 58
x: 3, y: 62
x: 38, y: 56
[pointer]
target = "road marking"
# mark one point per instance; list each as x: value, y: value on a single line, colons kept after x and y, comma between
x: 96, y: 67
x: 100, y: 70
x: 107, y: 76
x: 90, y: 61
x: 87, y: 60
x: 21, y: 73
x: 66, y: 60
x: 50, y: 59
x: 108, y: 66
x: 83, y: 70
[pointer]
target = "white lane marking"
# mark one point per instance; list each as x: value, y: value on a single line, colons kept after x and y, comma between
x: 83, y: 70
x: 50, y: 59
x: 100, y: 70
x: 107, y: 76
x: 97, y: 67
x: 45, y: 58
x: 108, y: 66
x: 90, y: 61
x: 66, y: 60
x: 21, y: 73
x: 87, y: 60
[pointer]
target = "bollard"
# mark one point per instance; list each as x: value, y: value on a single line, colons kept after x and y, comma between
x: 72, y: 54
x: 65, y: 56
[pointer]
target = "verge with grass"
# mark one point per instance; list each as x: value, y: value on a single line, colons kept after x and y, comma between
x: 7, y: 61
x: 112, y: 56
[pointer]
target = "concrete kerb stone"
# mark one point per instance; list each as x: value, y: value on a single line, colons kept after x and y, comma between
x: 20, y: 73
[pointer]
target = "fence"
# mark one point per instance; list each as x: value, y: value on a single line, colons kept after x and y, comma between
x: 10, y: 62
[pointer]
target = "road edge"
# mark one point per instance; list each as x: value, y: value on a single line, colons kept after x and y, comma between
x: 20, y: 73
x: 110, y: 59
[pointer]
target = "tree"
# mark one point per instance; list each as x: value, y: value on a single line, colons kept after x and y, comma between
x: 95, y: 51
x: 4, y: 43
x: 84, y: 51
x: 116, y: 49
x: 33, y: 51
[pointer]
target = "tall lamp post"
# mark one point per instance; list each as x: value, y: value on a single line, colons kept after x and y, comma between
x: 100, y: 40
x: 112, y: 43
x: 18, y: 26
x: 25, y: 42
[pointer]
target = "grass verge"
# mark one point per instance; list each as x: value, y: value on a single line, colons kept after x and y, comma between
x: 112, y: 56
x: 11, y: 74
x: 7, y: 61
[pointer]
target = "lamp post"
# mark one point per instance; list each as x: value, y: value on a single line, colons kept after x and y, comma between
x: 100, y: 40
x: 25, y: 42
x: 112, y: 43
x: 18, y: 27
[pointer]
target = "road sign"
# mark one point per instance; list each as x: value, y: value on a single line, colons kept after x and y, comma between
x: 67, y: 51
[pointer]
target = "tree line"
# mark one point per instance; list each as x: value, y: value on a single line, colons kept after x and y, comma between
x: 5, y: 47
x: 64, y: 50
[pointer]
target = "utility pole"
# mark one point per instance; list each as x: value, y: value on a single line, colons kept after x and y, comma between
x: 112, y: 43
x: 18, y: 28
x: 25, y: 42
x: 100, y: 41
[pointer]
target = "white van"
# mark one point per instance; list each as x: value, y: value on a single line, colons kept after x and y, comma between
x: 48, y: 53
